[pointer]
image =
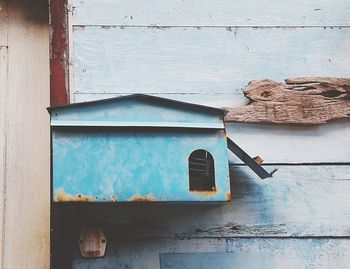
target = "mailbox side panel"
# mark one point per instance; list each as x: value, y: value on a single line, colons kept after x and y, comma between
x: 121, y: 165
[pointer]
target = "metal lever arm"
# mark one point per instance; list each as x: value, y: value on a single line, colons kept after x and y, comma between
x: 240, y: 153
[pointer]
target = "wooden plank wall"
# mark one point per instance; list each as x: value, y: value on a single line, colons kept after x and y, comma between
x: 206, y: 52
x: 24, y: 134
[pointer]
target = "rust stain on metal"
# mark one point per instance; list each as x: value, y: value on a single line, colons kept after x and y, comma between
x: 62, y: 196
x: 258, y: 160
x: 228, y: 196
x: 142, y: 198
x: 206, y: 193
x: 223, y: 133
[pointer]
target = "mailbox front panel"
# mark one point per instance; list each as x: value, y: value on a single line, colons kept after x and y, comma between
x: 139, y: 164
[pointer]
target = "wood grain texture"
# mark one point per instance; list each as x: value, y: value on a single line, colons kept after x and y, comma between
x: 3, y: 117
x: 299, y: 201
x: 313, y: 100
x: 205, y: 60
x: 59, y: 79
x: 26, y: 230
x: 288, y: 254
x: 211, y: 13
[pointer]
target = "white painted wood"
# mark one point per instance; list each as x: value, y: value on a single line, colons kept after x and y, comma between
x: 218, y: 13
x: 204, y: 60
x: 210, y: 64
x: 287, y: 254
x: 294, y: 144
x: 3, y: 118
x: 3, y: 82
x: 299, y: 201
x: 70, y: 49
x: 26, y: 230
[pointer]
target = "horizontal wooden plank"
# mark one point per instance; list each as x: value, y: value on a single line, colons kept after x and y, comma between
x: 218, y: 13
x: 187, y: 253
x: 26, y: 242
x: 293, y: 144
x: 204, y: 60
x: 297, y: 201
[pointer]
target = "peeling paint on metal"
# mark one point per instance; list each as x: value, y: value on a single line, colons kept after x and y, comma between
x: 139, y: 163
x: 62, y: 196
x: 207, y: 193
x: 142, y: 198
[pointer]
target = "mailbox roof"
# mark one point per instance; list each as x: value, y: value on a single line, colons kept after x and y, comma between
x: 138, y: 110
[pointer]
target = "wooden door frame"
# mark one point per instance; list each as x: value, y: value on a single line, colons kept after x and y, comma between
x: 59, y: 62
x: 62, y: 232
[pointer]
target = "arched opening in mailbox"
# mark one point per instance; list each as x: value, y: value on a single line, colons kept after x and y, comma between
x: 201, y: 171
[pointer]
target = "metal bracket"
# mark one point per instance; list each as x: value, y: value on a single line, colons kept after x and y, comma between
x: 92, y: 243
x: 253, y: 164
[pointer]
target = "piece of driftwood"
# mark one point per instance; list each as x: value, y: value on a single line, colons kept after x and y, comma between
x: 308, y: 100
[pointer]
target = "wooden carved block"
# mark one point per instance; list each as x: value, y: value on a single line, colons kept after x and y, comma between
x: 309, y: 100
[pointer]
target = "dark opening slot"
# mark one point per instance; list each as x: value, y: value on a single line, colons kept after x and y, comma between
x: 201, y: 171
x: 332, y: 93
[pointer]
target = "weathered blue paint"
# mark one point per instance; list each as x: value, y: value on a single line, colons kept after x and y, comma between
x: 217, y: 260
x: 249, y: 253
x: 219, y: 13
x: 117, y: 165
x: 207, y: 60
x: 147, y: 162
x: 138, y: 110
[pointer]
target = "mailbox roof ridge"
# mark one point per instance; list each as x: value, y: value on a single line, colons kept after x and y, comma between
x: 151, y: 98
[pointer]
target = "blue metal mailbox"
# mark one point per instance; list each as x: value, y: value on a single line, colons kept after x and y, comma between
x: 139, y: 148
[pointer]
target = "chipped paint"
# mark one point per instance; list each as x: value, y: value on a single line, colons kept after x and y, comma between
x: 142, y: 198
x: 62, y: 196
x: 59, y: 51
x: 91, y: 157
x: 207, y: 193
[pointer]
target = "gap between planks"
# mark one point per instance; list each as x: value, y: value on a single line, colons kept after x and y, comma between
x: 297, y: 164
x: 156, y: 26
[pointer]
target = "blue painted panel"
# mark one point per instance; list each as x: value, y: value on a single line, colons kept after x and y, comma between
x: 214, y: 13
x: 207, y: 60
x: 138, y: 111
x: 236, y: 253
x: 254, y: 260
x: 92, y: 165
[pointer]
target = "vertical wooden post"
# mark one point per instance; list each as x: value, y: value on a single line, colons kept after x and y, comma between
x: 3, y: 121
x: 24, y: 89
x: 59, y: 52
x: 62, y: 223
